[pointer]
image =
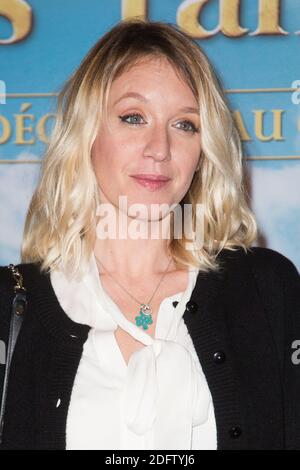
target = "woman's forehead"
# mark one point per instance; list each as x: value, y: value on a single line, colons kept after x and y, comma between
x: 157, y: 65
x: 144, y: 79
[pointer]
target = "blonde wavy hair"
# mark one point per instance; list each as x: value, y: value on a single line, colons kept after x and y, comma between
x: 60, y: 226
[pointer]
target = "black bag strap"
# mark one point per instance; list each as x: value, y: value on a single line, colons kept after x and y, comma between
x: 19, y: 307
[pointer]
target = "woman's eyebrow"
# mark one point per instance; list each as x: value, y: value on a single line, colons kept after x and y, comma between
x: 138, y: 96
x: 131, y: 94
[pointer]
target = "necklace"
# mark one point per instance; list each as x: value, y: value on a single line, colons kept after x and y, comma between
x: 144, y: 318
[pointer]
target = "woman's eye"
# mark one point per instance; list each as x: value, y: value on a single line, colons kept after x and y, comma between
x: 130, y: 116
x: 190, y: 127
x: 134, y: 119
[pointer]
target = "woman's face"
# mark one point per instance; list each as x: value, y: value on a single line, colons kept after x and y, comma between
x: 150, y: 132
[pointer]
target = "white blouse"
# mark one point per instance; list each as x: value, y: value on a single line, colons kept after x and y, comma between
x: 160, y: 400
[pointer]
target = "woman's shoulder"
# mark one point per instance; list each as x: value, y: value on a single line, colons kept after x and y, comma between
x: 7, y: 283
x: 263, y: 260
x: 268, y: 271
x: 277, y: 279
x: 272, y: 263
x: 36, y: 282
x: 22, y: 267
x: 30, y: 272
x: 270, y: 256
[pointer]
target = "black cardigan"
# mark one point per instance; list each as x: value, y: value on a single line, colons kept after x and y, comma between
x: 243, y: 322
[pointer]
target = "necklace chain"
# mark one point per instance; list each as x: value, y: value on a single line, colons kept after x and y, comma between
x: 140, y: 303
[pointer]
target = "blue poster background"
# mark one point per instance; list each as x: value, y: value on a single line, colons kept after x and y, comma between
x: 259, y: 73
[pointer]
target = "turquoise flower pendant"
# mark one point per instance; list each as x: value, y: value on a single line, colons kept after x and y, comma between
x: 144, y: 318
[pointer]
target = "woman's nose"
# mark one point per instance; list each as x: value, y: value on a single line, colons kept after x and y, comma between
x: 158, y: 143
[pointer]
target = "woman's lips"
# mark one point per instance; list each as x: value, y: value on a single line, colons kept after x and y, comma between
x: 151, y: 184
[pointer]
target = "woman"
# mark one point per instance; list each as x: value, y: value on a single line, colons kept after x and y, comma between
x: 140, y: 342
